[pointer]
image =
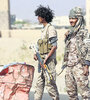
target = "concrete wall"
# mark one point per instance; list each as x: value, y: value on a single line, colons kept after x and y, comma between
x: 4, y: 14
x: 88, y: 14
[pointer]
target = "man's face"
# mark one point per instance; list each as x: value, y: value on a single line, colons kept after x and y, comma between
x: 73, y: 21
x: 40, y: 19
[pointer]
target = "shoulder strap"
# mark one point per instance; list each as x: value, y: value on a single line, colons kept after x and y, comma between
x: 47, y: 35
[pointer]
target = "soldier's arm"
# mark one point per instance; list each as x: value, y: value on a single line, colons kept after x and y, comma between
x: 66, y: 34
x: 87, y: 44
x: 86, y: 70
x: 53, y: 40
x: 87, y: 59
x: 53, y: 49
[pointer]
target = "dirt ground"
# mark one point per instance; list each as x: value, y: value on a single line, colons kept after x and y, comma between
x: 14, y: 47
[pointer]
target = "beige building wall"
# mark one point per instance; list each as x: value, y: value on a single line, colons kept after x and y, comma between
x: 4, y: 14
x: 88, y: 14
x: 61, y: 21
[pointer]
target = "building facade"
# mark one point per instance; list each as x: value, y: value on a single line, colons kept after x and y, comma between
x: 61, y: 21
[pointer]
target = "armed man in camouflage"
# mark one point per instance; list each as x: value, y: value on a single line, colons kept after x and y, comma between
x: 47, y: 45
x: 77, y: 57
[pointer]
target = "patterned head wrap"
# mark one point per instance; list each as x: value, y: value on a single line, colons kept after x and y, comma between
x: 76, y: 13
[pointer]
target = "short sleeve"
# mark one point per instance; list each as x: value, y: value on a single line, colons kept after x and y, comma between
x: 52, y: 36
x: 52, y: 32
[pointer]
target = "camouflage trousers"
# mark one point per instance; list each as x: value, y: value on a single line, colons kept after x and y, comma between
x: 43, y: 82
x: 76, y: 81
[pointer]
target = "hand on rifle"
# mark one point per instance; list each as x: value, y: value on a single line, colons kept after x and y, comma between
x: 45, y: 60
x: 66, y: 34
x: 86, y: 70
x: 35, y: 57
x: 42, y: 66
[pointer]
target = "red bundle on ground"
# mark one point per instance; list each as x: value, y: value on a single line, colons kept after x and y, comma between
x: 16, y: 81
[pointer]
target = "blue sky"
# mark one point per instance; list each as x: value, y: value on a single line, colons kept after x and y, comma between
x: 24, y: 9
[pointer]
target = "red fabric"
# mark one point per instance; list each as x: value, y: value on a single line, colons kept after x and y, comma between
x: 16, y: 81
x: 3, y: 72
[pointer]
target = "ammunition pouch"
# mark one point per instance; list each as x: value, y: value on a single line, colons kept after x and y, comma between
x: 44, y: 46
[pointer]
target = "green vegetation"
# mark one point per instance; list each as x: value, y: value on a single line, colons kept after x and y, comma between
x: 21, y: 22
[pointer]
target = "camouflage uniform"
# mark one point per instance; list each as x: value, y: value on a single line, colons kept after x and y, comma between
x: 42, y: 78
x: 77, y: 54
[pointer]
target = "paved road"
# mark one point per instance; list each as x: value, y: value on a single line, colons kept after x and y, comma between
x: 47, y: 97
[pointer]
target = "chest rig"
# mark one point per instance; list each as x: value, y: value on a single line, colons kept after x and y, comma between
x: 44, y: 44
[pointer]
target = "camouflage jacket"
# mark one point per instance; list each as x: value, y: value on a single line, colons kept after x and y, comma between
x: 82, y: 46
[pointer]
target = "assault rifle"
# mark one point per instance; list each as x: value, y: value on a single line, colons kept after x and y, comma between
x: 45, y: 67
